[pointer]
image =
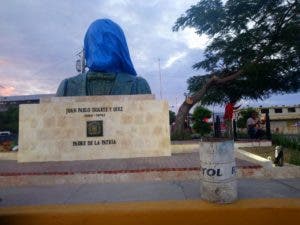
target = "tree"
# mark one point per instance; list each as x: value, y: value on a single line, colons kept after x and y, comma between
x: 9, y: 120
x: 254, y: 51
x: 245, y: 114
x: 199, y: 124
x: 172, y: 117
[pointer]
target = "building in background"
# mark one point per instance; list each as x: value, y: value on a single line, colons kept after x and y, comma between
x: 7, y: 101
x: 283, y: 119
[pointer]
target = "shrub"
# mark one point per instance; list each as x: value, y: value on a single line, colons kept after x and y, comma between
x: 9, y: 120
x: 245, y: 114
x: 199, y: 124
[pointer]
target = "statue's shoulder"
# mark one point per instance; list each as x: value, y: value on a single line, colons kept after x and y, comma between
x: 77, y: 79
x: 73, y: 86
x: 142, y: 86
x: 129, y: 84
x: 124, y: 84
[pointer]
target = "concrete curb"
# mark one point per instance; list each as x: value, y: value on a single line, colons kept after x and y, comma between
x: 194, y: 145
x: 241, y: 154
x: 269, y: 170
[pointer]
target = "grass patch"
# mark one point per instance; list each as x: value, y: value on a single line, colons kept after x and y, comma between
x: 290, y: 156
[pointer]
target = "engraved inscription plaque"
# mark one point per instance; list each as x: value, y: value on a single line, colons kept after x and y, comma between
x: 94, y: 128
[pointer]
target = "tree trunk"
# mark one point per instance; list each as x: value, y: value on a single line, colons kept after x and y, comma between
x: 191, y: 101
x: 180, y: 118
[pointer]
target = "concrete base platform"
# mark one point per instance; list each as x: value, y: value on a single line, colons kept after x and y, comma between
x: 8, y: 155
x: 176, y: 147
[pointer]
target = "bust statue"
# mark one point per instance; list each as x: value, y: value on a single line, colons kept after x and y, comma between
x: 111, y: 71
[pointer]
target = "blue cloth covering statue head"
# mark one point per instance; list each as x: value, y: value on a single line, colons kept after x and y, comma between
x: 106, y: 48
x: 110, y: 68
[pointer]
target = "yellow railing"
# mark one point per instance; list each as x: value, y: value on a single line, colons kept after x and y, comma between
x: 243, y: 212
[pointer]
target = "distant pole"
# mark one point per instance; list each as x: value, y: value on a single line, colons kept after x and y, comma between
x: 218, y: 127
x: 80, y: 63
x: 268, y: 126
x: 234, y: 130
x: 213, y: 120
x: 160, y: 92
x: 83, y: 62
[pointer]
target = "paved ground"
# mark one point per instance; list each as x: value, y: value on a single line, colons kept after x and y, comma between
x: 176, y: 161
x: 143, y: 191
x: 130, y: 191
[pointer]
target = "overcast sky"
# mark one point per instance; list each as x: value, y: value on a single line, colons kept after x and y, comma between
x: 39, y: 40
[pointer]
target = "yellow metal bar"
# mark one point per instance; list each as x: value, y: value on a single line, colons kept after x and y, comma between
x: 249, y: 211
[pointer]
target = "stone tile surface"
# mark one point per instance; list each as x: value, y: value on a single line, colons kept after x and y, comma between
x: 116, y: 127
x: 142, y: 191
x: 185, y: 160
x: 268, y: 188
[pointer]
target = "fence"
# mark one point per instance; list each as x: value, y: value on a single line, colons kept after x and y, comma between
x: 220, y: 128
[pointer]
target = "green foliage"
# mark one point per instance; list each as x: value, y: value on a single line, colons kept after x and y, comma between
x: 9, y: 120
x: 295, y: 158
x: 245, y: 114
x: 259, y: 38
x: 288, y: 141
x: 199, y: 114
x: 172, y: 117
x: 292, y: 142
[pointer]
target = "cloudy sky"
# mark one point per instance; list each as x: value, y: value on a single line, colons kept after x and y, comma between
x: 40, y: 39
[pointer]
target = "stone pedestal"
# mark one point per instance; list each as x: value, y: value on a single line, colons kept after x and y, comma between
x: 94, y: 127
x: 218, y: 171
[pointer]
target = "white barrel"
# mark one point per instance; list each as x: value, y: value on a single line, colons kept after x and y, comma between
x: 218, y: 171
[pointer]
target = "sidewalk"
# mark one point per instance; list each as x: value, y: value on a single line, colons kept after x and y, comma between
x: 178, y: 167
x: 142, y: 191
x: 188, y: 161
x: 126, y: 180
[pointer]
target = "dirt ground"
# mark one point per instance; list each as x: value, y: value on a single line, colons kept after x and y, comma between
x: 289, y: 155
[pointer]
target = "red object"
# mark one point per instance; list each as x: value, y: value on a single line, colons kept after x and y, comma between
x: 205, y: 120
x: 229, y: 111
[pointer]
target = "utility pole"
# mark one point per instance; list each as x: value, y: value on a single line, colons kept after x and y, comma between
x: 83, y: 61
x: 80, y: 63
x: 160, y: 91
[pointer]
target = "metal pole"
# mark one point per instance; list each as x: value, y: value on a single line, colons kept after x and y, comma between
x: 213, y: 120
x: 83, y: 62
x: 234, y: 130
x: 218, y: 127
x: 268, y: 126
